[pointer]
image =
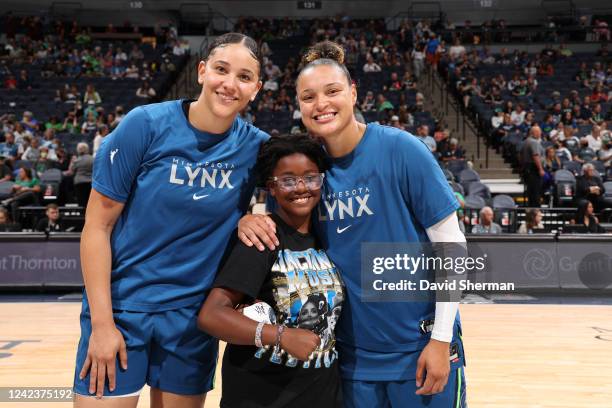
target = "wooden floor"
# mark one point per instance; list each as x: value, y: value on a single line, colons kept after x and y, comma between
x: 556, y: 356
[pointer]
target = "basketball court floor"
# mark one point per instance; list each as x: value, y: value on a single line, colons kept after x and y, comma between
x: 551, y: 353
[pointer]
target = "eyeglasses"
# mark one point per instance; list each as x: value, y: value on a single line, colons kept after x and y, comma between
x: 290, y: 183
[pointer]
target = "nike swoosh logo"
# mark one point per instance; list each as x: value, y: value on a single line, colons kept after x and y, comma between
x: 341, y: 230
x: 197, y: 197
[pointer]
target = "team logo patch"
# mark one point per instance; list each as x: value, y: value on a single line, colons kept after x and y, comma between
x: 454, y: 353
x: 426, y: 326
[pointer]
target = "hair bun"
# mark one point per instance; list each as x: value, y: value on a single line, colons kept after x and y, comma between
x: 325, y: 49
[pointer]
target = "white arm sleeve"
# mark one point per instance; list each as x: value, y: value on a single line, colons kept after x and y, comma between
x: 446, y: 230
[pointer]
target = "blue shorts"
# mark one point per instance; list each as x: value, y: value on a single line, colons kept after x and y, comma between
x: 396, y: 394
x: 165, y: 350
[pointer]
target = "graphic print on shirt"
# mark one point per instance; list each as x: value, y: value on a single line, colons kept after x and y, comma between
x: 308, y: 294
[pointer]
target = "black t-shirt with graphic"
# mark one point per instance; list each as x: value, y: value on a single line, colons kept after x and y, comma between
x: 305, y: 290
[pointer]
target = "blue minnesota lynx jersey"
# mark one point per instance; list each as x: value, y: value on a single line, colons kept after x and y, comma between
x: 184, y: 191
x: 389, y: 189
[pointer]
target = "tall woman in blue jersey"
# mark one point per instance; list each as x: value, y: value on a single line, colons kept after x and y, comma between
x: 169, y: 186
x: 384, y: 185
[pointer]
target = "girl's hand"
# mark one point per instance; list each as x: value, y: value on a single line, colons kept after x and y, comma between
x: 300, y: 343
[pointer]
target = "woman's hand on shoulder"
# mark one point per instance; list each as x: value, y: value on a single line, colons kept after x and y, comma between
x: 258, y: 230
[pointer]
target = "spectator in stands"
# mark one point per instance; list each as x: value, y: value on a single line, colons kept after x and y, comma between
x: 91, y: 95
x: 547, y: 125
x: 583, y: 73
x: 594, y: 139
x: 551, y: 163
x: 368, y: 104
x: 9, y: 149
x: 533, y: 171
x: 145, y: 91
x: 24, y: 83
x: 32, y: 152
x: 25, y: 191
x: 486, y: 225
x: 383, y: 104
x: 100, y: 135
x: 589, y: 187
x: 518, y: 115
x: 72, y: 95
x: 498, y: 119
x: 270, y: 84
x: 423, y: 134
x: 272, y: 70
x: 45, y: 160
x: 533, y: 221
x: 457, y: 50
x: 528, y: 122
x: 395, y: 122
x: 53, y: 123
x: 453, y: 152
x: 119, y: 115
x: 585, y: 216
x: 371, y: 65
x: 90, y: 124
x: 409, y: 81
x: 394, y: 83
x: 81, y: 168
x: 605, y: 153
x: 71, y: 123
x: 598, y: 116
x: 6, y: 223
x: 568, y: 119
x: 136, y: 53
x: 52, y: 221
x: 5, y: 171
x: 29, y: 122
x: 62, y: 161
x: 418, y: 60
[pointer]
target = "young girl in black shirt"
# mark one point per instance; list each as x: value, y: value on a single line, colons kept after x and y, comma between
x: 281, y: 350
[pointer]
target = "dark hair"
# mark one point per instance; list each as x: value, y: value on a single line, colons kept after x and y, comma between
x: 235, y: 38
x: 325, y: 53
x: 581, y: 211
x: 278, y: 147
x: 530, y: 217
x: 27, y: 171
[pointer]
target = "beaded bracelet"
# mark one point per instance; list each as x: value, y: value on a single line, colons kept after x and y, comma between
x: 279, y: 333
x: 258, y: 331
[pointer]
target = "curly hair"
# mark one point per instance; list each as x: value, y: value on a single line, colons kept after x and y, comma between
x: 325, y: 53
x: 278, y: 147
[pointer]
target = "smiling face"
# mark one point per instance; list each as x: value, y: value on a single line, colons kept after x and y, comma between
x: 326, y: 100
x: 229, y: 79
x: 298, y: 201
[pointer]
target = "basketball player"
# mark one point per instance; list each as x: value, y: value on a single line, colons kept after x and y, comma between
x: 169, y: 186
x: 397, y: 193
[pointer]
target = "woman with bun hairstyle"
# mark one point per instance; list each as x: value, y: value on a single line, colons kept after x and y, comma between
x: 169, y: 185
x: 383, y: 185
